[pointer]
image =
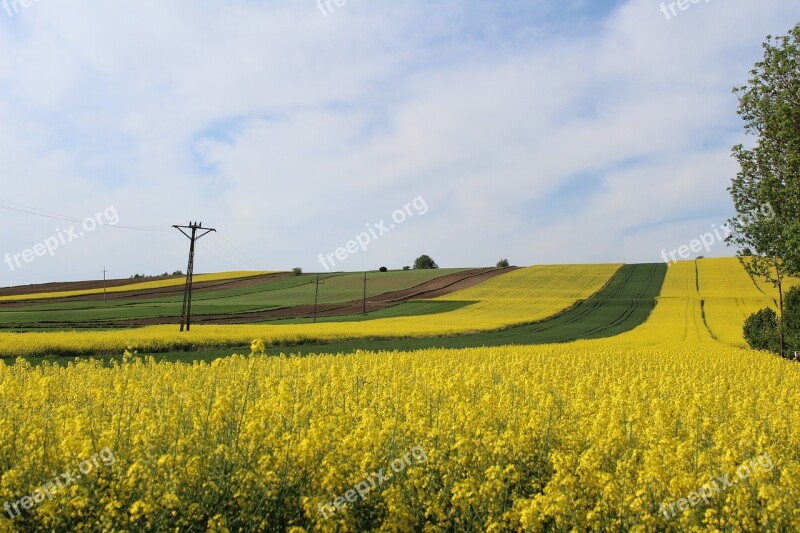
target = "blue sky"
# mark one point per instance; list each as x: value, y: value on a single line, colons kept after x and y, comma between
x: 541, y: 131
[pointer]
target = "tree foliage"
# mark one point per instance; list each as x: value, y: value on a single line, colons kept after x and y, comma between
x: 791, y: 319
x: 766, y: 189
x: 762, y: 329
x: 425, y: 261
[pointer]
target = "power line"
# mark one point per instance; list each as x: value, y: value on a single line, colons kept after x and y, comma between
x: 230, y: 252
x: 42, y: 214
x: 239, y: 251
x: 221, y: 258
x: 34, y: 211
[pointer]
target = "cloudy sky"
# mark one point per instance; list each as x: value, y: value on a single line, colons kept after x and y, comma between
x: 544, y: 131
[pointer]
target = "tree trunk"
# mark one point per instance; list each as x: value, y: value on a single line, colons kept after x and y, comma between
x: 780, y: 304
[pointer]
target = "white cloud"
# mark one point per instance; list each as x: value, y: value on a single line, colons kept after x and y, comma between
x: 289, y: 130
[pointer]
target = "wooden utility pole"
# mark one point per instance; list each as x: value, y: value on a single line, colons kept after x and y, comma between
x: 316, y: 297
x: 186, y: 313
x: 104, y: 283
x: 365, y: 294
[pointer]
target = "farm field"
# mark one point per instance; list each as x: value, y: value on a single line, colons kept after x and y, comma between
x: 523, y: 296
x: 606, y: 423
x: 729, y: 295
x: 250, y: 299
x: 74, y: 290
x: 624, y: 303
x: 543, y: 304
x: 705, y: 300
x: 600, y: 434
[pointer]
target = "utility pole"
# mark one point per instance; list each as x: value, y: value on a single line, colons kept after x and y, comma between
x: 316, y: 298
x: 365, y: 294
x: 186, y: 313
x: 104, y: 283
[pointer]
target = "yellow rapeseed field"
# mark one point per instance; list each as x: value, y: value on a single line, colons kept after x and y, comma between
x: 729, y: 296
x: 524, y: 295
x: 662, y: 428
x: 591, y: 435
x: 702, y: 301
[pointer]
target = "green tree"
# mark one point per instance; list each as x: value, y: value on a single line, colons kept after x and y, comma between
x: 791, y: 317
x: 761, y: 330
x: 425, y: 261
x: 297, y: 271
x: 766, y: 190
x: 503, y: 263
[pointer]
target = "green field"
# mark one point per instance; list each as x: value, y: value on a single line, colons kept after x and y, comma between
x: 412, y: 308
x: 274, y: 294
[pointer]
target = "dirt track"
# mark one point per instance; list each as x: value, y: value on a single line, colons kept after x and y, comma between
x: 430, y: 289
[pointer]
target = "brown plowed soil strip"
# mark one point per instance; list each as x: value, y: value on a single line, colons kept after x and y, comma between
x: 75, y: 285
x: 430, y: 289
x: 132, y: 295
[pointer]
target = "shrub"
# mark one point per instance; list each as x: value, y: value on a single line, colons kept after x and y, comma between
x: 761, y: 330
x: 791, y: 319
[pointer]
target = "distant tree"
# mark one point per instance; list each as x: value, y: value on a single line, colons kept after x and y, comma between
x: 503, y: 263
x: 761, y: 330
x: 383, y: 269
x: 297, y: 271
x: 406, y: 268
x: 177, y: 273
x: 425, y: 262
